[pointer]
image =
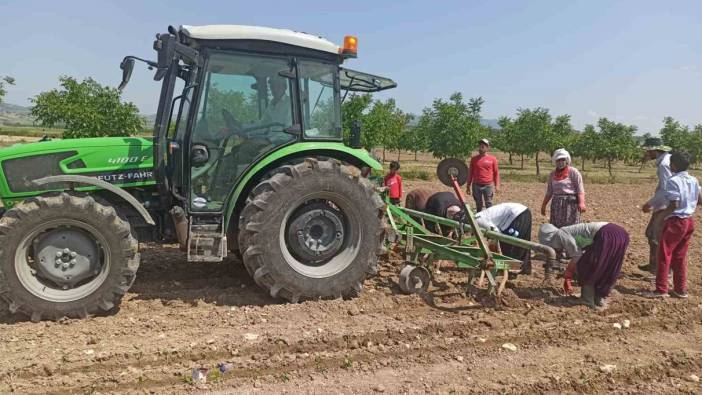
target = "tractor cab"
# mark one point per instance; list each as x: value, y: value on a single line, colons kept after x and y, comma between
x: 246, y: 91
x: 249, y: 99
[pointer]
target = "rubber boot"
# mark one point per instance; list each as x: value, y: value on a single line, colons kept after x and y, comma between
x: 601, y: 303
x: 587, y: 296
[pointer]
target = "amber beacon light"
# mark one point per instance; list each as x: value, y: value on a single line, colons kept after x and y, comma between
x: 350, y: 48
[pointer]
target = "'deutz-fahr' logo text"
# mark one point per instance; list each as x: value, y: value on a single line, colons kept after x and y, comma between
x: 127, y: 176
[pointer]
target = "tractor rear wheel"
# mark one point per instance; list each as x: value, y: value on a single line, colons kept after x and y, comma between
x: 312, y: 230
x: 65, y: 256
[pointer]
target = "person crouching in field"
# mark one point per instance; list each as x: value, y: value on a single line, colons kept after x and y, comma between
x: 393, y: 181
x: 417, y: 199
x: 442, y: 204
x: 512, y: 219
x: 565, y: 190
x: 682, y: 192
x: 597, y: 252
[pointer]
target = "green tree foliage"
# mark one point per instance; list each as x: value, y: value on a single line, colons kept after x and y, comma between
x: 4, y: 81
x: 675, y: 135
x: 696, y: 144
x: 244, y: 108
x: 586, y: 145
x: 533, y: 127
x: 383, y: 126
x: 508, y: 139
x: 534, y: 131
x: 414, y: 138
x: 562, y: 134
x: 452, y: 126
x: 354, y: 109
x: 86, y: 109
x: 617, y: 141
x: 682, y: 138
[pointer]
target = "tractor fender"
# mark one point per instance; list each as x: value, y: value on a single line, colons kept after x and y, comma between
x: 100, y: 184
x: 300, y: 150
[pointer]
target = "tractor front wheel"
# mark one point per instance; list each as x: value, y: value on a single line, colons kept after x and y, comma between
x: 312, y: 230
x: 65, y: 256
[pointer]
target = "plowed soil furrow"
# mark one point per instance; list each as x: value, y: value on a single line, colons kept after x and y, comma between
x: 180, y: 316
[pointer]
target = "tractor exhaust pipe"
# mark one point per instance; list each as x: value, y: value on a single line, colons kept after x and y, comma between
x: 180, y: 221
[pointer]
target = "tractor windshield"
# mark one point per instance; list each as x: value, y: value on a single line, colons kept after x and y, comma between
x: 319, y: 91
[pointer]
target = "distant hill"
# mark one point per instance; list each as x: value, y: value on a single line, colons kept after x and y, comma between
x: 490, y: 123
x: 12, y: 114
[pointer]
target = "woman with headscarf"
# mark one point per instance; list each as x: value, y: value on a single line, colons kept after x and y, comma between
x: 597, y: 252
x: 565, y: 190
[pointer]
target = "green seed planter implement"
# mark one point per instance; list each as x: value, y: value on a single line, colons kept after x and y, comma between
x: 469, y: 249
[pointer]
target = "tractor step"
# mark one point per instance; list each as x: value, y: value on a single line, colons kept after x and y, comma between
x: 206, y: 241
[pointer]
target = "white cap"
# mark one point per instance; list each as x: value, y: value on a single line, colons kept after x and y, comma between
x: 484, y: 141
x: 560, y: 154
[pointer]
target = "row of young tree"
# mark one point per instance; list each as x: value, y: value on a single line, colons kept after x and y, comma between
x: 682, y: 138
x: 452, y: 128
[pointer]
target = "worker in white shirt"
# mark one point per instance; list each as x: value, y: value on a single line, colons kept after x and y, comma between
x: 512, y: 219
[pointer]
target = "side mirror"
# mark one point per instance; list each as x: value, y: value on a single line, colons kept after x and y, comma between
x: 127, y: 66
x: 199, y: 155
x: 355, y: 136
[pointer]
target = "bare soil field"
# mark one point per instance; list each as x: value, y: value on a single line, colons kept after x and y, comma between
x: 180, y: 316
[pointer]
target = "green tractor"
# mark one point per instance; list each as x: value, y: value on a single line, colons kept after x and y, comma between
x: 247, y: 157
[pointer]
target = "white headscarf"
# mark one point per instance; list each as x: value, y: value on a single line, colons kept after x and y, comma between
x: 546, y: 234
x: 560, y: 153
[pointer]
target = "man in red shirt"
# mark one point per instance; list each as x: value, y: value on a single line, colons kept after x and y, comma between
x: 483, y: 177
x: 393, y: 182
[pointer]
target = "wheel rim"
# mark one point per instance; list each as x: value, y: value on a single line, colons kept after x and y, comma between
x: 62, y: 260
x: 321, y: 236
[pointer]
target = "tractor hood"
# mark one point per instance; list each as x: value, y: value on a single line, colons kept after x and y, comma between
x: 124, y: 161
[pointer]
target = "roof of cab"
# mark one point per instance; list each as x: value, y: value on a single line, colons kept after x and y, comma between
x: 241, y: 32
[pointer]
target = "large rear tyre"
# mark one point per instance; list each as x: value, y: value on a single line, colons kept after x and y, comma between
x: 65, y: 256
x: 312, y: 230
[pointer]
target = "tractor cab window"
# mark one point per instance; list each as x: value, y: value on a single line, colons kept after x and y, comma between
x: 320, y: 99
x: 246, y: 110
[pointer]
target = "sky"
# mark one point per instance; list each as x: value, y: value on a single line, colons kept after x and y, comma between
x: 630, y: 61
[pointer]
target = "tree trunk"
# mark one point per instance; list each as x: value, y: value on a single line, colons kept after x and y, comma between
x: 415, y: 155
x: 522, y: 161
x: 538, y: 170
x: 383, y: 154
x: 398, y: 155
x: 510, y: 159
x: 609, y: 166
x: 583, y: 166
x: 643, y: 163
